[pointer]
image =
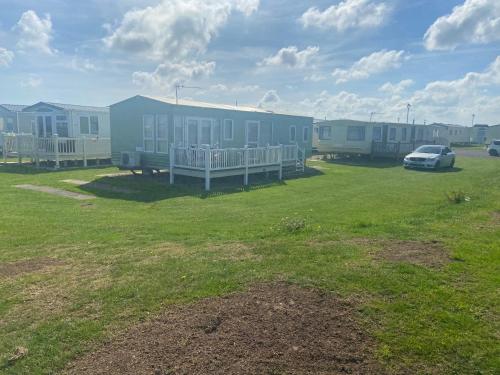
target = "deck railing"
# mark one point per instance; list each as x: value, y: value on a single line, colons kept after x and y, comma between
x: 54, y: 149
x: 231, y: 158
x: 209, y: 160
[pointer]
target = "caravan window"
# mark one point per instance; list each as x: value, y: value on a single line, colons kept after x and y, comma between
x: 192, y: 132
x: 162, y: 134
x: 62, y: 126
x: 377, y: 133
x: 148, y: 133
x: 228, y: 130
x: 253, y: 133
x: 392, y: 134
x: 305, y: 134
x: 178, y: 132
x: 94, y: 125
x: 84, y: 125
x: 356, y: 133
x: 293, y: 134
x: 325, y: 132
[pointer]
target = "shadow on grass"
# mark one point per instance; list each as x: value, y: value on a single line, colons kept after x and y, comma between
x: 30, y: 169
x: 366, y: 162
x: 441, y: 170
x: 157, y: 188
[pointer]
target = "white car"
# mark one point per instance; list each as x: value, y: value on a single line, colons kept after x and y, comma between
x: 430, y: 157
x: 494, y: 148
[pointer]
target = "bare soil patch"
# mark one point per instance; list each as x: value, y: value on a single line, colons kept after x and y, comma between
x: 54, y: 191
x: 423, y: 253
x: 271, y: 329
x: 27, y: 266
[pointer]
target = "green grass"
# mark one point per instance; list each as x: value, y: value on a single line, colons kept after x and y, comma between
x: 127, y: 256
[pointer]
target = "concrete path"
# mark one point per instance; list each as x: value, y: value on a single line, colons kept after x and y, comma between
x: 55, y: 191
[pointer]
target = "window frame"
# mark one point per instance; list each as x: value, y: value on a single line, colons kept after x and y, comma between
x: 321, y: 135
x: 305, y: 134
x: 357, y: 127
x: 379, y: 135
x: 247, y: 123
x: 393, y: 134
x: 225, y: 123
x: 294, y: 138
x: 150, y: 139
x: 158, y: 139
x: 404, y: 134
x: 90, y: 124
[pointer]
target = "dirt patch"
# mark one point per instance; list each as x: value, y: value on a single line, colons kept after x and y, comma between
x: 27, y: 266
x: 429, y: 253
x: 54, y: 191
x: 495, y: 217
x: 423, y: 253
x: 271, y: 329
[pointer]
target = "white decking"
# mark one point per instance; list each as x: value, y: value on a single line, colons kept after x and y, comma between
x: 54, y: 149
x: 210, y: 163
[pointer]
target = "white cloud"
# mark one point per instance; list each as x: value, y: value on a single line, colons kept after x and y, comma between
x: 35, y: 33
x: 475, y: 21
x: 315, y: 77
x: 396, y: 89
x: 82, y: 65
x: 6, y: 57
x: 32, y: 81
x: 174, y: 29
x: 348, y: 14
x: 377, y: 62
x: 166, y: 75
x: 234, y: 89
x: 451, y: 101
x: 291, y: 57
x: 270, y: 99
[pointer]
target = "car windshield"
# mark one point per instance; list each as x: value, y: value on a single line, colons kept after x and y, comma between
x: 429, y: 149
x: 496, y: 143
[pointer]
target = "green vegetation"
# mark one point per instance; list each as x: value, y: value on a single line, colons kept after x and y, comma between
x: 123, y: 257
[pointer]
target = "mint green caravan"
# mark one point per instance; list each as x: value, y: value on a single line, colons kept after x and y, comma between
x: 206, y: 140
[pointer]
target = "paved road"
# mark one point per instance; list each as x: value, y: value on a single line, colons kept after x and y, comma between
x: 472, y: 153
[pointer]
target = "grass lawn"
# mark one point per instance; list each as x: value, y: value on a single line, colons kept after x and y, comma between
x: 121, y: 258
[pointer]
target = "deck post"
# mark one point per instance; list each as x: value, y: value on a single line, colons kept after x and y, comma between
x: 35, y: 150
x: 84, y: 150
x: 56, y: 150
x: 207, y: 168
x: 281, y: 162
x: 4, y: 148
x: 245, y: 178
x: 171, y: 163
x: 19, y: 156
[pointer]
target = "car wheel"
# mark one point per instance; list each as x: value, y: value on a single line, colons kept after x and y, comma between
x: 493, y: 153
x: 437, y: 165
x: 452, y: 164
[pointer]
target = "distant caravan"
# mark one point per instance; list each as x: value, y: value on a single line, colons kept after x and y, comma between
x: 375, y: 139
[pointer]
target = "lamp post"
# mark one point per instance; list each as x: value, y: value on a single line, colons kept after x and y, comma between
x: 408, y: 107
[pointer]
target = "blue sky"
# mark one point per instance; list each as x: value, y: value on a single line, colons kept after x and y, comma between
x: 334, y: 59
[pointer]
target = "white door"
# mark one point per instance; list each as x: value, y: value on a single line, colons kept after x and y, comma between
x: 252, y: 133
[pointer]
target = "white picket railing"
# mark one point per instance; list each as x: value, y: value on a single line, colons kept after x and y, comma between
x: 231, y: 158
x: 54, y: 148
x: 207, y: 160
